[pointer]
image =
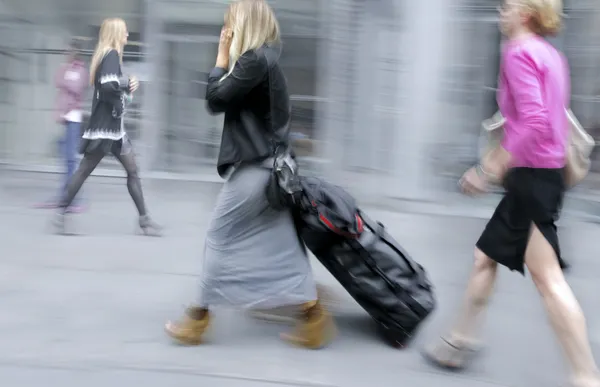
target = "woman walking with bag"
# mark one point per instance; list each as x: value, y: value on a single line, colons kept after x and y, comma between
x: 533, y: 94
x: 105, y: 132
x: 253, y: 258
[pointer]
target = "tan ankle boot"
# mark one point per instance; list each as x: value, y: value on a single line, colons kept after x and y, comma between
x: 291, y: 313
x: 190, y: 329
x: 315, y: 328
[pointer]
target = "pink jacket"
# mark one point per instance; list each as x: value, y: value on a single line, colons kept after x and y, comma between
x: 71, y: 81
x: 534, y: 90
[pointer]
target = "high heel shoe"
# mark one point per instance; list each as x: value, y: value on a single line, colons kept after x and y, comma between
x: 148, y: 227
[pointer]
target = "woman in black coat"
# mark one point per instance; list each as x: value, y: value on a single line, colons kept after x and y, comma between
x: 105, y: 132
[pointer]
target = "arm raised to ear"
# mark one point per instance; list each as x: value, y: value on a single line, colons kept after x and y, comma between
x: 249, y: 70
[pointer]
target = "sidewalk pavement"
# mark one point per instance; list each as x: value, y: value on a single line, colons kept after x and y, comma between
x: 581, y: 202
x: 90, y: 309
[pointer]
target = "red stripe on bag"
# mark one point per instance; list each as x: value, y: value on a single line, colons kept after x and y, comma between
x: 359, y: 224
x: 336, y: 230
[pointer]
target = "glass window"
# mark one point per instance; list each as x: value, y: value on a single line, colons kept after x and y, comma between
x: 299, y: 62
x: 190, y: 136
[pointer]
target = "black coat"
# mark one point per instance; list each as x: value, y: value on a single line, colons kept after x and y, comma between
x: 108, y: 104
x: 256, y: 103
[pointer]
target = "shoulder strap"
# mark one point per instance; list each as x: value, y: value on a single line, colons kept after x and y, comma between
x: 274, y: 144
x: 277, y: 145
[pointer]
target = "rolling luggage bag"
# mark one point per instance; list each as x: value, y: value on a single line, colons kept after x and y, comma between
x: 371, y: 265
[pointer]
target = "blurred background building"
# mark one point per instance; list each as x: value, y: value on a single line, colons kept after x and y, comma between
x: 388, y: 95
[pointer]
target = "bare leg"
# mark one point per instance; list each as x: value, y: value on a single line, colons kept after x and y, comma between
x: 452, y: 351
x: 564, y: 312
x: 479, y: 290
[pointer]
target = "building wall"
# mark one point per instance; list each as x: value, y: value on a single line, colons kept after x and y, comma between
x: 403, y: 120
x: 28, y: 91
x: 384, y: 71
x: 184, y: 138
x: 388, y: 95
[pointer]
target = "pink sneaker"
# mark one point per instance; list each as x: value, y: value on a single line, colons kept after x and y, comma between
x: 46, y: 205
x: 75, y: 209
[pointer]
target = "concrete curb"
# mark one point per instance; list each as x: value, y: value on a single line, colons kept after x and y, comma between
x: 580, y: 204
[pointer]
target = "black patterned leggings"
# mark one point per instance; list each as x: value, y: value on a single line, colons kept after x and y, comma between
x: 90, y: 162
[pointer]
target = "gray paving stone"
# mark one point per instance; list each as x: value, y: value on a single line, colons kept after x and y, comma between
x: 90, y: 309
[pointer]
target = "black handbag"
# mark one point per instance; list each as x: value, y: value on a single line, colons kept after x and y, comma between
x: 283, y: 189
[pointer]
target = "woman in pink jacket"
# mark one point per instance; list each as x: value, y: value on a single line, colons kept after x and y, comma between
x: 534, y: 90
x: 71, y: 82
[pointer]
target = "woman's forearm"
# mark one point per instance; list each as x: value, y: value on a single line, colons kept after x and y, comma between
x: 222, y: 61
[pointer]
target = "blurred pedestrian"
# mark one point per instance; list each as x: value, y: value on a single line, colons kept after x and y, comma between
x: 533, y: 93
x: 253, y: 257
x: 71, y: 81
x: 558, y: 42
x: 105, y: 132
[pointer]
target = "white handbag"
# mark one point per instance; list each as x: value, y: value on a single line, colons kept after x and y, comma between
x: 581, y: 145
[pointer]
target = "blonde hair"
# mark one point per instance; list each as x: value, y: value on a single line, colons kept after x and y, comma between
x: 546, y: 16
x: 253, y: 24
x: 111, y: 36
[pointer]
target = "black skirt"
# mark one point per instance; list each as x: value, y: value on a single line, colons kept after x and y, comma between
x: 532, y: 195
x: 105, y: 146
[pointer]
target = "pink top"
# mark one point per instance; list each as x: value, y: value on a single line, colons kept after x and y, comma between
x: 534, y: 90
x: 72, y: 81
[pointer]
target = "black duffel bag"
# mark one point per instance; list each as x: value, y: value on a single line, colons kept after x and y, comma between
x: 327, y: 214
x: 381, y: 276
x: 365, y: 259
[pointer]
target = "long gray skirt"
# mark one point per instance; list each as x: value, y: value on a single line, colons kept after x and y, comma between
x: 252, y: 256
